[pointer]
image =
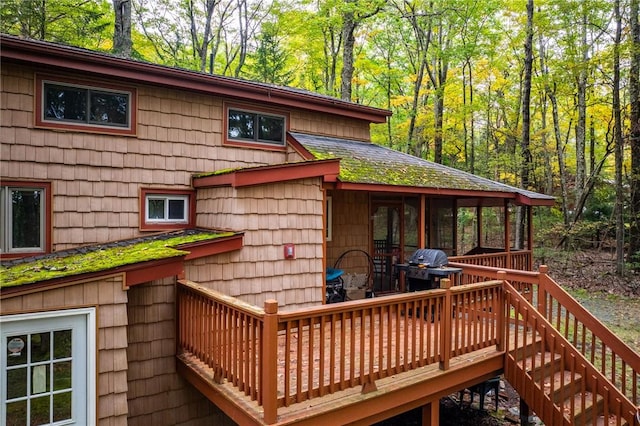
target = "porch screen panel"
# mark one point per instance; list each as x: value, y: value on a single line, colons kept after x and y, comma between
x: 443, y: 225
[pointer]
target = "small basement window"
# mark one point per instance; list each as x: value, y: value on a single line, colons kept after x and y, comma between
x: 67, y: 104
x: 251, y: 127
x: 167, y: 210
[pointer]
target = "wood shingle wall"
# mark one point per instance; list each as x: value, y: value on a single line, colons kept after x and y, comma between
x: 157, y: 395
x: 96, y: 178
x: 272, y: 216
x: 110, y: 301
x: 350, y: 230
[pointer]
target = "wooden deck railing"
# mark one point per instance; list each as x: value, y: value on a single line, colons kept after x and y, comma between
x: 561, y: 385
x: 604, y: 350
x: 280, y: 358
x: 520, y: 260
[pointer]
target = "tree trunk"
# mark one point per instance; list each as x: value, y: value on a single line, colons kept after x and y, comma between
x: 349, y: 40
x: 122, y: 28
x: 526, y: 122
x: 582, y: 111
x: 634, y: 137
x: 617, y: 135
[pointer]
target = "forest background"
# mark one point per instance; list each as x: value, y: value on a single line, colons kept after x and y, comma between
x: 544, y: 95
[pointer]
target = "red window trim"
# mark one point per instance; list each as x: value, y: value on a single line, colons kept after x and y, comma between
x: 252, y: 108
x: 191, y: 219
x: 80, y: 127
x: 48, y: 224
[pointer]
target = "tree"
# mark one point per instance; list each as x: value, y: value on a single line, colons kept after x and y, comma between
x: 617, y: 135
x: 83, y: 23
x: 634, y: 138
x: 122, y: 28
x: 271, y: 60
x: 354, y: 13
x: 526, y: 122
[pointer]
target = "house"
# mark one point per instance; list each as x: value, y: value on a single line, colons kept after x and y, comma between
x: 166, y: 239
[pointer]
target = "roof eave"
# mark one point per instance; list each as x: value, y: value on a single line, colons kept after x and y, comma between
x: 142, y: 272
x: 446, y: 192
x: 76, y: 60
x: 327, y: 169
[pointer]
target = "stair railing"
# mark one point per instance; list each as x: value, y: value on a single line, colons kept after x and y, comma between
x: 530, y: 329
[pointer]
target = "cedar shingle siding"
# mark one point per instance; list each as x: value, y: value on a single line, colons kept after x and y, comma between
x: 110, y: 300
x: 97, y: 178
x: 271, y: 215
x: 157, y: 394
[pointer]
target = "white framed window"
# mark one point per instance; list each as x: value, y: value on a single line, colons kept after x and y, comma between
x: 256, y: 127
x: 23, y: 217
x: 167, y: 208
x: 48, y: 368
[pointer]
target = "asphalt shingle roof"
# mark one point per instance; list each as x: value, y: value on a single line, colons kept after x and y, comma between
x: 367, y: 163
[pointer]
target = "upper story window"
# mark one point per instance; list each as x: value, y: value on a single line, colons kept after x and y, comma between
x: 25, y: 217
x: 75, y: 105
x: 251, y: 127
x: 167, y: 209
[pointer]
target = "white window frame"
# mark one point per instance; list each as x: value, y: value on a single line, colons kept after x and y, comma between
x: 6, y: 218
x: 166, y: 198
x: 89, y: 89
x: 82, y: 323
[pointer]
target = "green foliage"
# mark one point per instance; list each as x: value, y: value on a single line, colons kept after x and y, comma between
x: 270, y: 61
x: 80, y: 23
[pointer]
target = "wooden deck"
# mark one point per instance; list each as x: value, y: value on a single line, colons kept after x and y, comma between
x: 410, y: 387
x: 367, y: 360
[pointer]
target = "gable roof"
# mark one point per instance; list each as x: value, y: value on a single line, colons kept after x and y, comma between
x: 367, y: 166
x: 48, y: 56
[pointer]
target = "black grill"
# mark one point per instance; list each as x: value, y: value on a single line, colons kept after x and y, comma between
x: 425, y: 268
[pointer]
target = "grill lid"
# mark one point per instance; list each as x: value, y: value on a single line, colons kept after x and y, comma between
x: 430, y: 257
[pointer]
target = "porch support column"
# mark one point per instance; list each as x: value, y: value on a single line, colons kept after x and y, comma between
x: 431, y: 413
x: 455, y: 227
x: 530, y: 239
x: 507, y: 234
x: 422, y: 222
x: 480, y: 225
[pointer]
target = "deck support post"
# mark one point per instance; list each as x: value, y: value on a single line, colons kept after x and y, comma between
x: 524, y: 412
x: 446, y: 324
x: 431, y: 413
x: 269, y: 377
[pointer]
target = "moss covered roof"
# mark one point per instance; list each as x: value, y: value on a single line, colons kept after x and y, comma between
x: 102, y: 257
x: 367, y: 163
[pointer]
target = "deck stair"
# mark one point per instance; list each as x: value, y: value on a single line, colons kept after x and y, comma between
x: 553, y: 377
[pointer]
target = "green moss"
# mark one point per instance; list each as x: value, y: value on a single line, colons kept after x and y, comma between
x: 382, y: 171
x: 98, y: 260
x: 216, y: 173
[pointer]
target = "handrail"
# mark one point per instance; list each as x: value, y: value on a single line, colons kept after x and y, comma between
x: 615, y: 401
x: 518, y: 259
x: 594, y: 340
